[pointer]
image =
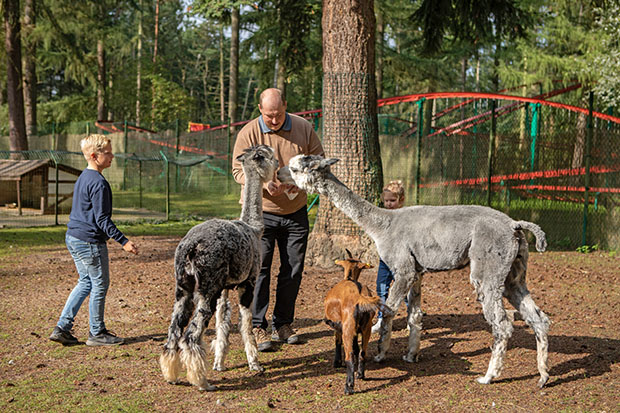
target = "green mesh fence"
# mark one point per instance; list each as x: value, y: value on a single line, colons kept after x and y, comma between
x: 537, y: 158
x: 536, y: 161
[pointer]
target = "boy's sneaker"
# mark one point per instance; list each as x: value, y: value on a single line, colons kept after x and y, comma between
x: 105, y: 338
x: 376, y: 327
x: 286, y: 334
x: 63, y: 337
x: 262, y: 339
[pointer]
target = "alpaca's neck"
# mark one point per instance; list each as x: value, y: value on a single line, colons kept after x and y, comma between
x: 371, y: 218
x: 252, y: 209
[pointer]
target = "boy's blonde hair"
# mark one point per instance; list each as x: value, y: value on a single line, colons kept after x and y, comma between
x: 93, y: 144
x: 396, y: 187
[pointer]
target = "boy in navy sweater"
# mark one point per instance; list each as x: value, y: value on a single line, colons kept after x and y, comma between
x: 90, y: 226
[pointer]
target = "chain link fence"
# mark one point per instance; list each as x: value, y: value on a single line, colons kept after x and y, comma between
x: 550, y: 164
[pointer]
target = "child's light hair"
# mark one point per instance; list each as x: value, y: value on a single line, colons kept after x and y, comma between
x: 396, y: 187
x: 93, y: 144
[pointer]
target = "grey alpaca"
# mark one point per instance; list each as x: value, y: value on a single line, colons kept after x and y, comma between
x: 212, y: 258
x: 419, y: 239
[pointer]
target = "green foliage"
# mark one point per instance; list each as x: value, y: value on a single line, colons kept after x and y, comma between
x: 170, y: 101
x: 586, y: 249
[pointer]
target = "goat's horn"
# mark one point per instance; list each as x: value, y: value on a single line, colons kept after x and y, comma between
x: 349, y: 252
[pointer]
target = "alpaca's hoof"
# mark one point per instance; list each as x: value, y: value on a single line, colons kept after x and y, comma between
x: 483, y: 380
x: 173, y: 381
x: 543, y: 381
x: 219, y: 367
x: 206, y: 387
x: 348, y: 390
x: 257, y: 367
x: 379, y: 358
x: 411, y: 358
x: 360, y: 376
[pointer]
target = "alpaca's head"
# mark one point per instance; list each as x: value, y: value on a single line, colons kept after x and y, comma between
x: 259, y: 158
x: 306, y: 171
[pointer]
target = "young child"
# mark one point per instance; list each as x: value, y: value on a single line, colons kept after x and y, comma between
x: 393, y: 197
x: 90, y: 226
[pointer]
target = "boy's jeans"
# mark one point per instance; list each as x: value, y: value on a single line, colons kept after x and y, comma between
x: 91, y: 261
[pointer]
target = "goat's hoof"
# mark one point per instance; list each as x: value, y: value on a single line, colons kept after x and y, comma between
x: 483, y: 380
x: 360, y: 376
x: 379, y: 358
x: 337, y: 365
x: 348, y: 390
x: 543, y: 381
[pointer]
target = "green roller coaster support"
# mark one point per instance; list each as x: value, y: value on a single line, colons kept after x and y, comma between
x: 534, y: 132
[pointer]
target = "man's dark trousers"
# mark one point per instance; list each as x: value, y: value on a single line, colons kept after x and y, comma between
x: 291, y: 233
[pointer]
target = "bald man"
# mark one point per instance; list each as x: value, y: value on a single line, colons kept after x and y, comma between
x: 284, y: 215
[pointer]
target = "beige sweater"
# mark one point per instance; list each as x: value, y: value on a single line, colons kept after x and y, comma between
x: 301, y: 139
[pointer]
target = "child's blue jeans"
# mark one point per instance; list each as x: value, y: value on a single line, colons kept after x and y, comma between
x: 384, y: 279
x: 91, y: 262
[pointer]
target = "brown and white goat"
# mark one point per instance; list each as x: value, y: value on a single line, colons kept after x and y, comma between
x: 349, y: 310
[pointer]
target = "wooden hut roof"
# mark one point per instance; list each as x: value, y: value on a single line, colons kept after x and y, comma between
x: 11, y: 170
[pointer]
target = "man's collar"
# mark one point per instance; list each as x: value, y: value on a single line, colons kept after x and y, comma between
x: 285, y: 127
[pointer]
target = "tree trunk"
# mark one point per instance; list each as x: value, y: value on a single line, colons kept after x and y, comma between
x: 379, y: 68
x: 349, y: 125
x: 139, y: 66
x: 101, y: 82
x: 222, y: 89
x: 15, y: 97
x: 30, y: 69
x: 155, y: 71
x: 281, y: 75
x: 233, y: 88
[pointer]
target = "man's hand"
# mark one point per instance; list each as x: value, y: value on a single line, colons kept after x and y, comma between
x: 275, y: 188
x: 130, y: 247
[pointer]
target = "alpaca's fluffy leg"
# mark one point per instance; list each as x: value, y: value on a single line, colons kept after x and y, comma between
x: 220, y: 344
x: 246, y: 295
x: 519, y: 296
x: 249, y: 341
x: 396, y: 296
x: 169, y: 359
x: 414, y: 321
x: 193, y: 353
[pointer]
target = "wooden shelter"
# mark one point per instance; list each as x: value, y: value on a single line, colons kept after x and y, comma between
x: 26, y: 184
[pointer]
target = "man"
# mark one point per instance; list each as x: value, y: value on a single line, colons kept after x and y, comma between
x: 284, y: 214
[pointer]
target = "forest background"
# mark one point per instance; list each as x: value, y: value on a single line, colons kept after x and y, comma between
x: 151, y: 62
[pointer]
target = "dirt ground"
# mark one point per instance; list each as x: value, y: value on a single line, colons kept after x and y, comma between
x: 579, y: 292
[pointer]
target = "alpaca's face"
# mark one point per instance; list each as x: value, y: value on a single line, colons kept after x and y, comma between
x: 306, y: 171
x: 260, y: 158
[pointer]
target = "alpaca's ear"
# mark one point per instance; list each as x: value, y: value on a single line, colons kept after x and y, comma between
x: 329, y: 162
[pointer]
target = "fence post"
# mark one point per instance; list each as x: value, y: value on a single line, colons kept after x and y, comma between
x: 125, y: 152
x: 56, y: 187
x: 419, y: 148
x: 140, y: 180
x: 177, y: 134
x: 490, y: 155
x: 587, y: 171
x: 54, y: 136
x: 87, y: 128
x: 167, y: 171
x: 228, y: 159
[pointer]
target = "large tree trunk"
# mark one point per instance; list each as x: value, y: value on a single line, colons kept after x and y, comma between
x: 101, y: 82
x: 233, y: 87
x: 349, y: 125
x: 30, y: 69
x: 15, y: 97
x: 155, y: 71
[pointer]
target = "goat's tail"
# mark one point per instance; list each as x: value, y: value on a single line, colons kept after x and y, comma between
x: 366, y: 304
x: 541, y: 239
